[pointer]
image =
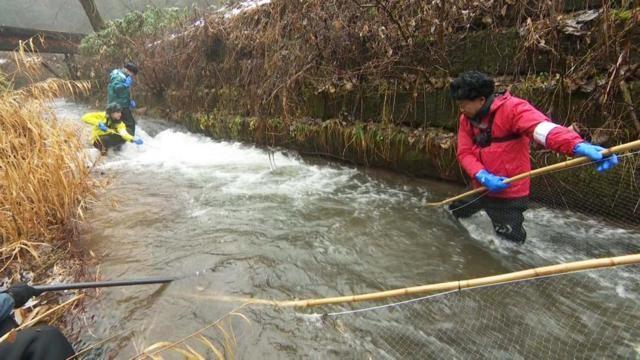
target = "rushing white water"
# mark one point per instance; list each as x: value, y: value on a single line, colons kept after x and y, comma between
x: 275, y: 225
x: 241, y: 169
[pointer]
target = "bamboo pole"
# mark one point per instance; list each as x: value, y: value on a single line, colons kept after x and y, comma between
x: 477, y: 282
x: 634, y: 145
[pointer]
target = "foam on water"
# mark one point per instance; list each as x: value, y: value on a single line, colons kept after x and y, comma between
x: 300, y: 229
x: 238, y: 169
x: 235, y: 168
x: 176, y: 150
x: 556, y: 236
x: 242, y: 169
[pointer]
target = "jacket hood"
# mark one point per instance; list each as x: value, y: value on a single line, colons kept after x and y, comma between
x: 500, y: 100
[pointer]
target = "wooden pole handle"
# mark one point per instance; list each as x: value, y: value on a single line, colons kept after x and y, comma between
x: 634, y: 145
x: 558, y: 269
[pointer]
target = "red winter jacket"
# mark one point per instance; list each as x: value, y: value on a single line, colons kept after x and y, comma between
x: 512, y: 116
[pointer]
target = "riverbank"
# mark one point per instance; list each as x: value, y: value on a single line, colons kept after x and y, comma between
x: 430, y: 153
x: 243, y: 221
x: 368, y: 85
x: 45, y: 183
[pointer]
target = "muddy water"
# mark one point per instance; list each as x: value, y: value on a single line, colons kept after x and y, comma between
x: 283, y: 227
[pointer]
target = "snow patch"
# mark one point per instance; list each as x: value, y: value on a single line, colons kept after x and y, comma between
x: 244, y: 6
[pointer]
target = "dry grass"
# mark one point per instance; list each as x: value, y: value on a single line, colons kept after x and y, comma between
x: 220, y: 344
x: 44, y: 180
x: 44, y: 183
x: 388, y: 61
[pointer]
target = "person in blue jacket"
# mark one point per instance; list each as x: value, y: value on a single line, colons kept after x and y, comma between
x: 41, y: 342
x: 119, y: 92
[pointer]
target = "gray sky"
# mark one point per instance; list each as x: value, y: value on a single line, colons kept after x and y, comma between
x: 68, y: 15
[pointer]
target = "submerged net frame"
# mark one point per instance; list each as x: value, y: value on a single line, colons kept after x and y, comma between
x: 587, y: 311
x: 582, y: 309
x: 518, y: 320
x: 587, y: 314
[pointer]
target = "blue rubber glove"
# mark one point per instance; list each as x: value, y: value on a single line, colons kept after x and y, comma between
x: 128, y: 82
x: 593, y: 153
x: 138, y: 141
x: 103, y: 127
x: 492, y: 182
x: 132, y: 104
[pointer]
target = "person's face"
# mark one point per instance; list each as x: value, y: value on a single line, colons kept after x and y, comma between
x: 471, y: 107
x: 129, y: 72
x: 116, y: 115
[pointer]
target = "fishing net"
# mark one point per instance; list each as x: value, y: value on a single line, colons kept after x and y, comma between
x: 588, y: 314
x: 613, y: 197
x: 610, y: 207
x: 593, y: 314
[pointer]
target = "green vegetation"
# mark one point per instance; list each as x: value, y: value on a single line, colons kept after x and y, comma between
x: 368, y: 84
x: 120, y: 37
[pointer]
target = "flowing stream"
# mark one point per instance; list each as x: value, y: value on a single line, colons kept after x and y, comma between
x: 284, y: 227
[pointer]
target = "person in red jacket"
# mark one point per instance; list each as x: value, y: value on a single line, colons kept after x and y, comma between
x: 494, y: 136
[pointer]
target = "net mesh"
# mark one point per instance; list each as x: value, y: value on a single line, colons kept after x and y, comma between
x: 592, y: 314
x: 588, y: 314
x: 579, y: 201
x: 613, y: 196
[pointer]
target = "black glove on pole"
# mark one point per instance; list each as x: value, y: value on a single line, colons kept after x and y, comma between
x: 21, y: 293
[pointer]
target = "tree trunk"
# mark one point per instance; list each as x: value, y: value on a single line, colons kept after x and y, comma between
x: 92, y: 13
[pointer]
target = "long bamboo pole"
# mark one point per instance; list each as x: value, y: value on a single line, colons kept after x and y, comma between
x: 634, y: 145
x: 467, y: 284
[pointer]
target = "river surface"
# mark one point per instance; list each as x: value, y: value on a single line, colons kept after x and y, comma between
x: 279, y: 226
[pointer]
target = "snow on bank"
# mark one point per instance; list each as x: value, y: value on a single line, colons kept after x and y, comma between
x: 244, y: 6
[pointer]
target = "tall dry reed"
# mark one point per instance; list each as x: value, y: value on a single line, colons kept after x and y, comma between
x: 44, y: 178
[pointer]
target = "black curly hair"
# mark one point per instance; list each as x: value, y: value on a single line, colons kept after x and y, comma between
x: 472, y: 85
x: 131, y: 67
x: 113, y: 107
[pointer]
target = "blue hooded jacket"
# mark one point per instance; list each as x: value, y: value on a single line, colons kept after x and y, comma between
x: 117, y: 92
